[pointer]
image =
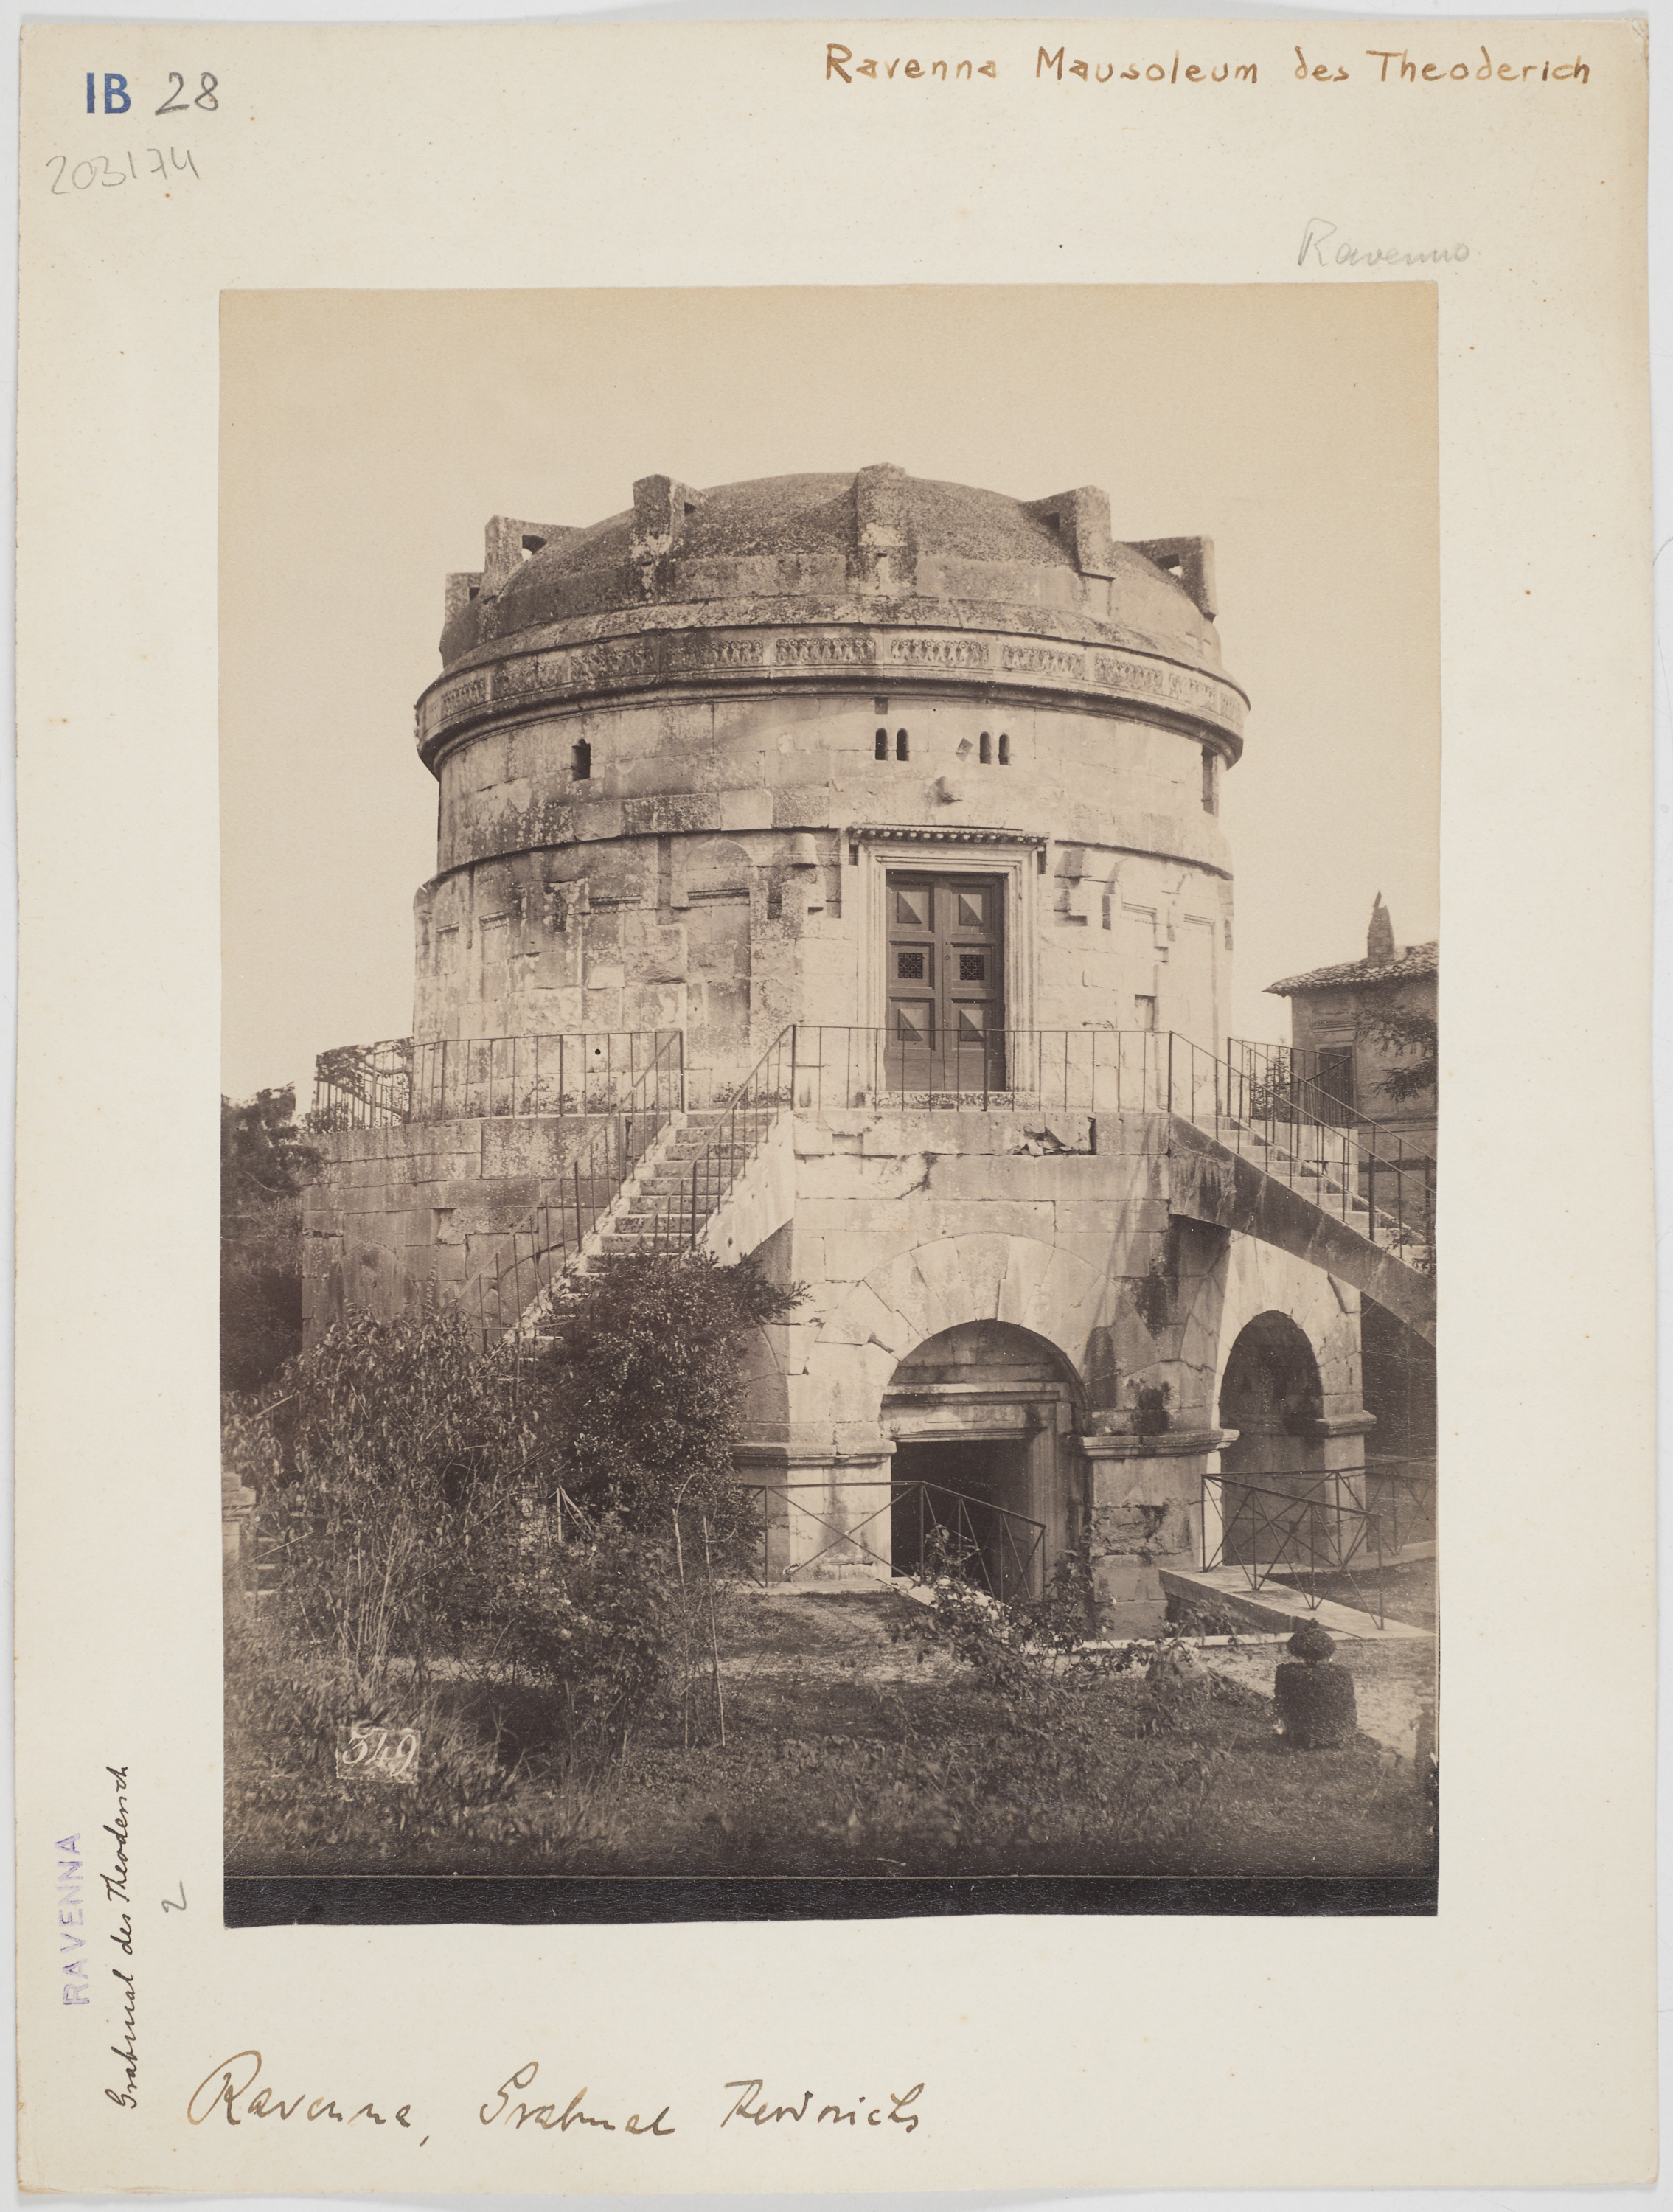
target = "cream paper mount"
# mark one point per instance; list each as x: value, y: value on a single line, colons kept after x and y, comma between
x: 300, y: 311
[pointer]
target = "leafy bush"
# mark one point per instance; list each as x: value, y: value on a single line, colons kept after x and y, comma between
x: 406, y: 1463
x: 597, y: 1620
x: 428, y: 1507
x: 642, y: 1403
x: 264, y: 1166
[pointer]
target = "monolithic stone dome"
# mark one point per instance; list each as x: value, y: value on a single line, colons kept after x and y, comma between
x: 879, y: 550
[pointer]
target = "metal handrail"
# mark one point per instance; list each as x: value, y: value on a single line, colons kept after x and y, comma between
x: 1306, y: 1525
x: 1302, y: 1141
x: 362, y: 1086
x: 1022, y: 1561
x: 551, y: 1236
x: 402, y: 1079
x: 675, y: 1219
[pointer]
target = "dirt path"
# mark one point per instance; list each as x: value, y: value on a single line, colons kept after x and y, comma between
x: 1390, y: 1681
x: 863, y: 1639
x: 854, y: 1635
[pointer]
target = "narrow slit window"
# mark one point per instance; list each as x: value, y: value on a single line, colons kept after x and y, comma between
x: 986, y: 751
x: 580, y: 760
x: 1004, y: 749
x: 881, y: 746
x: 903, y: 750
x: 1210, y: 781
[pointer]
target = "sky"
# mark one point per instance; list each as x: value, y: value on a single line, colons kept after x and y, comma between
x: 367, y: 436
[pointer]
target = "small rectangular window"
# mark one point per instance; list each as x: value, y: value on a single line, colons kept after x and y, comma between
x: 986, y: 750
x: 1144, y: 1012
x: 1210, y: 781
x: 1004, y: 749
x: 880, y: 745
x: 902, y: 751
x: 580, y: 760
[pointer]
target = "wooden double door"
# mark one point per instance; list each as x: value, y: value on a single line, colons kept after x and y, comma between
x: 945, y: 983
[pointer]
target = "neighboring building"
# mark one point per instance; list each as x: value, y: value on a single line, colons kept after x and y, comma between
x: 1341, y: 1040
x: 829, y: 867
x: 1337, y: 1017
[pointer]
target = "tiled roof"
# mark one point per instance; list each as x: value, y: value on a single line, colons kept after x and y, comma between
x: 1410, y: 960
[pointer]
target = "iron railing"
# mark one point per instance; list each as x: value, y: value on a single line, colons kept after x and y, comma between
x: 674, y: 1217
x: 997, y: 1550
x: 1086, y: 1071
x: 553, y: 1234
x: 1336, y: 1525
x: 595, y: 1072
x: 1379, y: 1183
x: 1376, y: 1182
x: 1282, y: 1070
x: 362, y: 1086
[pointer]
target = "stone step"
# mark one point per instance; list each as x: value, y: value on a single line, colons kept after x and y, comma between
x: 1277, y: 1607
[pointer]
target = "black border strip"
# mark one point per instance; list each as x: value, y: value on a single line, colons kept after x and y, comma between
x: 419, y: 1900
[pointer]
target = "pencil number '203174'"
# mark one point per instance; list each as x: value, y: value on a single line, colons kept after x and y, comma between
x: 98, y: 169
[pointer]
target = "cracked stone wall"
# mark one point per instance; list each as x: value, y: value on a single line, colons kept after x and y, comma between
x: 402, y: 1218
x: 698, y: 876
x: 908, y: 1226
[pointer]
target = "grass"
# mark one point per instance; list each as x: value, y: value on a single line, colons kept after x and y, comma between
x: 850, y: 1749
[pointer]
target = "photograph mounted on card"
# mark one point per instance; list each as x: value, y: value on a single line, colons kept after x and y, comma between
x: 846, y: 1276
x: 817, y: 1353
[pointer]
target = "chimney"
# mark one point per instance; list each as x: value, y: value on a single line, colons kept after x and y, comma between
x: 1379, y: 938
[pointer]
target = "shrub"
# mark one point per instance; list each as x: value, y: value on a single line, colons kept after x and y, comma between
x: 429, y: 1512
x: 406, y: 1463
x: 261, y: 1324
x: 595, y: 1622
x: 643, y: 1403
x: 264, y: 1166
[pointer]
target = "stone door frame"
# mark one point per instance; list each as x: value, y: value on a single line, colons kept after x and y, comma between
x: 1015, y: 858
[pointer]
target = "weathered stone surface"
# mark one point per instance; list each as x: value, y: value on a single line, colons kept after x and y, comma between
x: 662, y: 809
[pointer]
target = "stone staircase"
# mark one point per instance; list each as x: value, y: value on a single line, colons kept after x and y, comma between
x: 1305, y: 1208
x: 1395, y: 1217
x: 653, y: 1192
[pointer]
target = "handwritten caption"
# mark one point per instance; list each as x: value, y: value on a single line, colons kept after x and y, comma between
x: 235, y: 2088
x: 1396, y: 66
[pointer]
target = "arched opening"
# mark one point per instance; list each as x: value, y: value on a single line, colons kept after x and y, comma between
x: 981, y: 1416
x: 1271, y: 1395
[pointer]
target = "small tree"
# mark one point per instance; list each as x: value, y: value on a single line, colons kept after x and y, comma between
x: 1413, y: 1036
x: 264, y: 1166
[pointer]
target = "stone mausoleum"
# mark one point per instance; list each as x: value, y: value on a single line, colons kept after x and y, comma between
x: 829, y: 867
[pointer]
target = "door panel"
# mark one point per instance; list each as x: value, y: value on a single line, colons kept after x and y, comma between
x: 945, y: 982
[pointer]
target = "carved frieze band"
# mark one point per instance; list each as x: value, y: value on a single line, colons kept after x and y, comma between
x: 627, y: 663
x: 899, y: 833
